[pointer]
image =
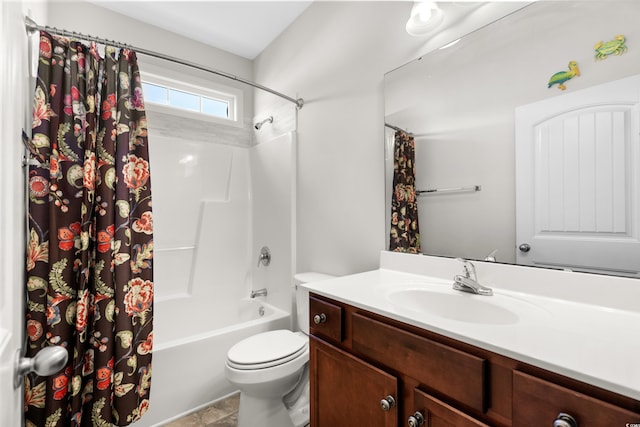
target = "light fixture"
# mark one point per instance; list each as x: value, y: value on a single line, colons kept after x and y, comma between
x: 425, y: 17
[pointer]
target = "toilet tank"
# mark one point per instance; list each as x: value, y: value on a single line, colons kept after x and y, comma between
x: 302, y: 296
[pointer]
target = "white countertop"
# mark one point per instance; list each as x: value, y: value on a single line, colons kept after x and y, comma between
x: 593, y: 343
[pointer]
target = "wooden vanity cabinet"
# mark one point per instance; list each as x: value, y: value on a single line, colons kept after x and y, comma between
x: 367, y: 370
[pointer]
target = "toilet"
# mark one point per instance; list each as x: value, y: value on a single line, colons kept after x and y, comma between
x: 271, y: 370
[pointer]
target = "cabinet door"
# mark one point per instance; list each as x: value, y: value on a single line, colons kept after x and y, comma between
x: 438, y: 414
x: 346, y: 391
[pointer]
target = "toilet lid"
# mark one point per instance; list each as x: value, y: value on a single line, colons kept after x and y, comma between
x: 267, y: 349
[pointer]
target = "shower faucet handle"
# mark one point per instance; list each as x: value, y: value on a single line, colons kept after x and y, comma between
x: 265, y: 257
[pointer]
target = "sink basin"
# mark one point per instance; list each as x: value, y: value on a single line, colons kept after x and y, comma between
x: 461, y: 306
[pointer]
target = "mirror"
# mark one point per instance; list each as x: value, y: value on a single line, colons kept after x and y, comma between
x: 461, y: 102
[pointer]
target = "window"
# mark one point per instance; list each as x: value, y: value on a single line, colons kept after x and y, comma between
x: 220, y: 105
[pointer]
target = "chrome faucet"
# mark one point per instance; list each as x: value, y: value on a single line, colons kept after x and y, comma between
x: 259, y: 293
x: 469, y: 282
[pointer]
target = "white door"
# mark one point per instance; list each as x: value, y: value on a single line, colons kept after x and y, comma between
x: 13, y: 87
x: 578, y: 179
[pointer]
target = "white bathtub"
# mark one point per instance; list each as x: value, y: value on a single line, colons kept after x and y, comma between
x: 189, y: 353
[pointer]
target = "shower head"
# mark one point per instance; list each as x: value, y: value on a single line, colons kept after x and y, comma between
x: 258, y: 125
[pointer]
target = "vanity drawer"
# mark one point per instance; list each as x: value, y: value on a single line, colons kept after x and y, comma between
x: 325, y: 319
x: 460, y: 376
x: 538, y: 402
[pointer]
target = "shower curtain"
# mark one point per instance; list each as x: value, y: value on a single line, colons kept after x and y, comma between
x: 90, y: 245
x: 405, y: 233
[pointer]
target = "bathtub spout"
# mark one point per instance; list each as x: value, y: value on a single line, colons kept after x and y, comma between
x: 259, y: 293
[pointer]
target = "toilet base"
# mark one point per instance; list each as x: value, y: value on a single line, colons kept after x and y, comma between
x: 263, y: 412
x: 299, y: 412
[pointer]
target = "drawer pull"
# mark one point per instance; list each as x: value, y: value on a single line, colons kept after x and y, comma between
x: 565, y: 420
x: 416, y: 420
x: 319, y: 318
x: 387, y: 403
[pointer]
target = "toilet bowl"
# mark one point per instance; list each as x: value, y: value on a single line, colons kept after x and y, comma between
x: 271, y: 370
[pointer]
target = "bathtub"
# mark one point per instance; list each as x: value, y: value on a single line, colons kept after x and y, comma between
x: 189, y: 353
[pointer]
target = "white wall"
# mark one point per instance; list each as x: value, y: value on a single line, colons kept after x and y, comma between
x: 335, y: 56
x: 338, y: 71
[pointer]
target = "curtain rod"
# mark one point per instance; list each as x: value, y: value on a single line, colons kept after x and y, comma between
x: 32, y: 27
x: 469, y: 188
x: 398, y: 129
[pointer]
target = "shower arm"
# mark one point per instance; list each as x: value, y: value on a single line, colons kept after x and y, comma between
x: 258, y: 125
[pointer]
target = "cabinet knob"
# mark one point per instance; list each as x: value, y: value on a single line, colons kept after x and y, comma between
x: 565, y: 420
x: 319, y: 318
x: 387, y: 403
x: 416, y: 420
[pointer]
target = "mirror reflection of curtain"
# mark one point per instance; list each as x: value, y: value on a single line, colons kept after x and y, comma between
x: 90, y: 248
x: 405, y: 233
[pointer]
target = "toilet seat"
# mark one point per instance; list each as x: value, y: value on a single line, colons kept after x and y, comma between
x: 266, y: 350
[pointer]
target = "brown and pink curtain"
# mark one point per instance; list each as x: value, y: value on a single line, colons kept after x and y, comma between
x: 405, y: 233
x: 90, y: 246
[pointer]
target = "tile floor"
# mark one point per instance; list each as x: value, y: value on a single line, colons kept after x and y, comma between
x: 220, y: 414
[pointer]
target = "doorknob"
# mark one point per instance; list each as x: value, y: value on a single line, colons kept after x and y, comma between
x: 525, y: 247
x: 46, y: 362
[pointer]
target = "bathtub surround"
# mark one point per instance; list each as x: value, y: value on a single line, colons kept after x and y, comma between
x: 90, y: 248
x: 273, y: 182
x: 208, y: 242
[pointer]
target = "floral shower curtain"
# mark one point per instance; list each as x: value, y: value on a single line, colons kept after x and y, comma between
x: 90, y: 247
x: 405, y: 233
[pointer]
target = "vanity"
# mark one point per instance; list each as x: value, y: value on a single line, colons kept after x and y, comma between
x: 398, y: 346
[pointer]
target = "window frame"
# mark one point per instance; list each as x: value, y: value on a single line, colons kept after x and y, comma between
x: 232, y: 96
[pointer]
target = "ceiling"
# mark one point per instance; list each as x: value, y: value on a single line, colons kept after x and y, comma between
x: 244, y: 28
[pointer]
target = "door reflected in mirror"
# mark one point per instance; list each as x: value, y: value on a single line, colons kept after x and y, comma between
x: 575, y: 150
